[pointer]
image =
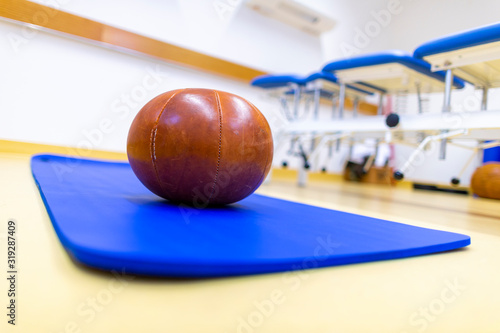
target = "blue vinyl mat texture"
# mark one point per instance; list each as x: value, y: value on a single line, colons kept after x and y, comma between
x: 105, y: 218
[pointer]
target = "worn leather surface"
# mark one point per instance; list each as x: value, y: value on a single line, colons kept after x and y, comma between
x: 485, y: 181
x: 200, y: 147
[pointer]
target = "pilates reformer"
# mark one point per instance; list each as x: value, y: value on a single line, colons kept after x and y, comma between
x: 399, y: 74
x: 474, y: 55
x: 436, y: 66
x: 386, y: 73
x: 316, y: 86
x: 306, y: 91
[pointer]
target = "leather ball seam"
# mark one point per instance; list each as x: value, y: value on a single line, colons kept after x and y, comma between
x: 153, y: 141
x: 219, y: 109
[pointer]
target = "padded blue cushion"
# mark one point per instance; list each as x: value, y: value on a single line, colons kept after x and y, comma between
x: 276, y: 81
x: 321, y: 76
x: 333, y: 79
x: 105, y: 218
x: 389, y: 57
x: 478, y: 36
x: 491, y: 154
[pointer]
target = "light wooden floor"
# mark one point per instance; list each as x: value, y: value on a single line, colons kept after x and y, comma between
x: 458, y: 291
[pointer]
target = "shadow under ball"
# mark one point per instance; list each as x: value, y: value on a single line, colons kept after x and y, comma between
x: 200, y: 147
x: 485, y: 181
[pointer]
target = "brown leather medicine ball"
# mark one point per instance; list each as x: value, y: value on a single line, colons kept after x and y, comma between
x: 200, y: 147
x: 485, y: 181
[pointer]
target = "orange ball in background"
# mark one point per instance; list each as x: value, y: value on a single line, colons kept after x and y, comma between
x: 485, y: 181
x: 200, y: 147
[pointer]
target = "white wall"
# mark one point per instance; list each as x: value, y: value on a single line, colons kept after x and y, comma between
x: 240, y: 35
x: 60, y: 91
x: 57, y: 90
x: 411, y: 23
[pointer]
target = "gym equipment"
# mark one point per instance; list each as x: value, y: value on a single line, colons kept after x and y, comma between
x: 106, y: 219
x: 485, y: 181
x: 191, y: 143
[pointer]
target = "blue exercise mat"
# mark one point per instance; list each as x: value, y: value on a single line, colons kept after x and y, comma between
x: 105, y: 218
